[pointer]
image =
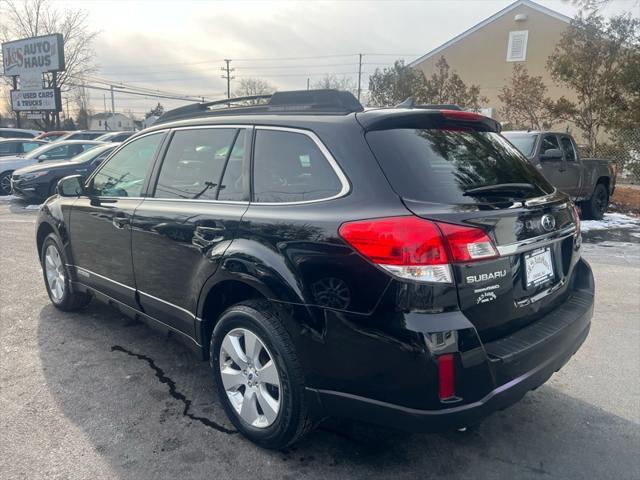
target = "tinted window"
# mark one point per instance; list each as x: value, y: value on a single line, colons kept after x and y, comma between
x: 523, y: 142
x: 567, y: 148
x: 441, y: 165
x: 123, y: 175
x: 193, y: 164
x: 7, y: 148
x: 289, y: 167
x: 15, y: 134
x: 28, y: 146
x: 234, y: 182
x: 549, y: 142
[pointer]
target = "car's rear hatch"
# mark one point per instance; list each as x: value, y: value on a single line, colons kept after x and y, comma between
x: 454, y: 168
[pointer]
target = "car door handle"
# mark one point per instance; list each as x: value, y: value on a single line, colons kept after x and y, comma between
x: 120, y: 220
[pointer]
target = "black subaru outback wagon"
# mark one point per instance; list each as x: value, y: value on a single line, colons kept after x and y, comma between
x: 405, y: 266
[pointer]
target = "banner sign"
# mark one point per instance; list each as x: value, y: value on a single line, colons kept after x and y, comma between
x: 33, y: 55
x: 47, y: 99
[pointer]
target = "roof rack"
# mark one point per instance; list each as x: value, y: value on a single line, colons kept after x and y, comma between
x: 297, y: 101
x: 411, y: 103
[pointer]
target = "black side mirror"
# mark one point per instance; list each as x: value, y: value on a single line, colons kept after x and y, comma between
x: 71, y: 186
x: 551, y: 154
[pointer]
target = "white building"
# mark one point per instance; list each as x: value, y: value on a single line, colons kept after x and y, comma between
x: 109, y: 121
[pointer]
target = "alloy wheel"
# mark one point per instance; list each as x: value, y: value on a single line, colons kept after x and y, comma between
x: 54, y: 270
x: 5, y: 184
x: 250, y: 378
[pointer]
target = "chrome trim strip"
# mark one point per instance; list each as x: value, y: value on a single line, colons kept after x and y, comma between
x: 529, y: 300
x: 100, y: 276
x: 167, y: 303
x: 346, y: 188
x: 139, y: 312
x: 535, y: 242
x: 198, y: 127
x: 230, y: 202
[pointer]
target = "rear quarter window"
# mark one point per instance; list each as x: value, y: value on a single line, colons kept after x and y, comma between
x: 435, y: 165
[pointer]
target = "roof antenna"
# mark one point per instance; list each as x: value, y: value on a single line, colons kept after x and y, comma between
x: 408, y: 103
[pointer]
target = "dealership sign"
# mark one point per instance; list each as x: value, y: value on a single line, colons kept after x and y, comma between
x: 33, y: 55
x: 47, y: 99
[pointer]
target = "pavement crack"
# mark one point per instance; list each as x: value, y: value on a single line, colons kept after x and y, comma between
x: 173, y: 391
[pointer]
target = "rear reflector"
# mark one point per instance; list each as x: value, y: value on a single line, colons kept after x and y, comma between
x: 576, y: 217
x: 446, y: 377
x: 415, y: 248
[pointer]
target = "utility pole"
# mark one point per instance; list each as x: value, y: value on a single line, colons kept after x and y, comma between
x: 359, y: 74
x: 308, y: 79
x: 228, y: 78
x: 113, y: 109
x: 15, y: 87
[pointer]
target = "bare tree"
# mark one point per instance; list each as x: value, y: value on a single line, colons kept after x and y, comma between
x: 30, y: 18
x: 250, y: 87
x: 333, y: 82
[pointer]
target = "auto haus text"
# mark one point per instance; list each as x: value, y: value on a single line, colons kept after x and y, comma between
x: 37, y: 55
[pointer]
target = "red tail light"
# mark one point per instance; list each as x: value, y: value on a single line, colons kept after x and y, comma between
x: 414, y: 248
x: 461, y: 115
x: 446, y: 376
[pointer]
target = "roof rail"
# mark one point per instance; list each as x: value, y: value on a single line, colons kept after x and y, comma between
x: 411, y: 103
x: 297, y: 101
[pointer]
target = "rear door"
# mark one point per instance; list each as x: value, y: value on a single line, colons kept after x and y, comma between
x: 182, y: 230
x: 554, y: 170
x: 573, y: 167
x: 100, y: 223
x: 465, y: 177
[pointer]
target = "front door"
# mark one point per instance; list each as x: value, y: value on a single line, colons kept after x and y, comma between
x: 181, y: 232
x: 100, y: 223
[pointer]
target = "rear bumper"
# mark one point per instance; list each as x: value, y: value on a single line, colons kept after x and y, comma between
x: 518, y: 363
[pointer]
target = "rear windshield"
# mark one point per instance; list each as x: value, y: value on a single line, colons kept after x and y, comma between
x: 523, y: 142
x: 444, y: 166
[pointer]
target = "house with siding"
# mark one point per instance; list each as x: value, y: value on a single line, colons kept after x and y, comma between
x: 523, y: 32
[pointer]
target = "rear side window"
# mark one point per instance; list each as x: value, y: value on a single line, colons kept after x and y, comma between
x: 194, y: 163
x: 567, y: 148
x: 234, y: 181
x: 289, y: 167
x: 28, y: 146
x: 443, y: 165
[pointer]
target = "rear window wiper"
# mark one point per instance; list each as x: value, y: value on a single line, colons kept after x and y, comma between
x: 499, y: 189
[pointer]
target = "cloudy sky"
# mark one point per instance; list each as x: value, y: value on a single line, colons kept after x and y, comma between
x: 179, y: 46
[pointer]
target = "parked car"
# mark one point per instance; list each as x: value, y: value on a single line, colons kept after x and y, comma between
x: 589, y: 181
x: 82, y: 135
x: 402, y: 266
x: 18, y: 146
x: 115, y: 136
x: 39, y: 181
x: 18, y: 133
x: 48, y: 152
x: 52, y: 136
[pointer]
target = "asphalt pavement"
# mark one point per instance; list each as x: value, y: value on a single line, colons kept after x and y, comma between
x: 94, y: 395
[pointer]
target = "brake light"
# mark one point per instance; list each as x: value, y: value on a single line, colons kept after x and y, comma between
x: 461, y: 115
x: 576, y: 216
x: 417, y: 249
x: 446, y: 376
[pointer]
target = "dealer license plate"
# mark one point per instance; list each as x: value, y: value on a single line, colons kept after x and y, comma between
x: 539, y: 267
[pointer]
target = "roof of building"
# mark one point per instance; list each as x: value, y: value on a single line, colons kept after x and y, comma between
x: 487, y: 21
x: 106, y: 115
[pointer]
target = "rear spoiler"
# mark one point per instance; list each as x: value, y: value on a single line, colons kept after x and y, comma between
x: 385, y: 119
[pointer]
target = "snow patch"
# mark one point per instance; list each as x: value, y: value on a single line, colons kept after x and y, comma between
x: 8, y: 198
x: 610, y: 221
x: 33, y: 207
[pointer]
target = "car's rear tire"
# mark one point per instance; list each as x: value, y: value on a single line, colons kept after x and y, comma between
x: 596, y: 206
x: 56, y: 277
x: 5, y: 183
x: 268, y: 408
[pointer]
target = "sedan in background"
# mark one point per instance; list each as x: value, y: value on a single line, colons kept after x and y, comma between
x: 57, y: 151
x: 18, y: 146
x: 39, y: 181
x: 18, y: 133
x: 52, y: 136
x: 114, y: 136
x: 82, y: 135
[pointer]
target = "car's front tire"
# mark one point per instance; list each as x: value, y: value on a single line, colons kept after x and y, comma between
x: 258, y: 375
x: 56, y: 277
